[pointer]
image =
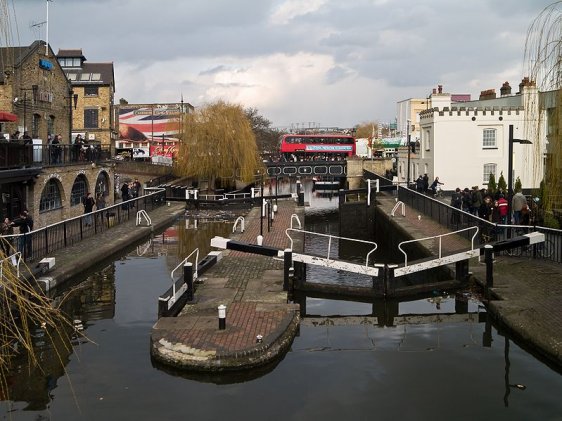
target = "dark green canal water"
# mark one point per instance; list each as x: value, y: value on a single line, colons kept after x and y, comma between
x: 337, y: 370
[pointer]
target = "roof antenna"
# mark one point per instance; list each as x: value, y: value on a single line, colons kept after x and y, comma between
x: 47, y: 31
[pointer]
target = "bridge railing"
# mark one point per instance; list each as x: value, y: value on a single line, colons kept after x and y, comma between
x: 43, y: 241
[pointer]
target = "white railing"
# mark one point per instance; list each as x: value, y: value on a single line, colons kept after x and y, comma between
x: 196, y: 251
x: 140, y: 214
x: 398, y: 204
x: 440, y: 238
x: 294, y: 216
x: 330, y: 237
x: 241, y: 220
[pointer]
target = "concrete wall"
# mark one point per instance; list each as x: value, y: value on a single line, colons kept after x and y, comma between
x: 355, y: 169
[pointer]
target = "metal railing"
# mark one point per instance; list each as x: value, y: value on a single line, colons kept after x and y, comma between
x: 41, y: 242
x: 456, y: 219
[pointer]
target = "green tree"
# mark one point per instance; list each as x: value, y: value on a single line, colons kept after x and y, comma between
x: 502, y: 184
x: 492, y: 183
x: 517, y: 187
x: 218, y: 145
x: 267, y: 138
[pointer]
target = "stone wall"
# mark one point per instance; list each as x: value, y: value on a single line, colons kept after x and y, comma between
x: 355, y: 169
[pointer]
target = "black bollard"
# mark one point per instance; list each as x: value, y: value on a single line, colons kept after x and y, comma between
x: 222, y: 317
x: 489, y: 259
x: 188, y: 279
x: 287, y: 268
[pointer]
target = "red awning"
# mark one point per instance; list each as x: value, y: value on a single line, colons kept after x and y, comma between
x: 6, y: 116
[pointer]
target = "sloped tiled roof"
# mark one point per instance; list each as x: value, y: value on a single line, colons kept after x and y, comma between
x: 71, y: 53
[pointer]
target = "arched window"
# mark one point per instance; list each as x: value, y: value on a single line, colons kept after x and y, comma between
x: 79, y: 190
x: 102, y: 184
x: 50, y: 197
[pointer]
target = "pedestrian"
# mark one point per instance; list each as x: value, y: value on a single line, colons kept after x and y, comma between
x: 517, y: 205
x: 136, y: 188
x: 100, y: 201
x: 419, y: 184
x: 525, y: 217
x: 25, y: 224
x: 125, y: 195
x: 7, y: 229
x: 15, y: 136
x: 476, y: 200
x: 89, y: 203
x: 27, y: 140
x: 435, y: 186
x: 456, y: 202
x: 425, y: 183
x: 502, y: 205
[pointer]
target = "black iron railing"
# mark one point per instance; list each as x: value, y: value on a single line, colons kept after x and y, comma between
x: 43, y: 241
x: 455, y: 219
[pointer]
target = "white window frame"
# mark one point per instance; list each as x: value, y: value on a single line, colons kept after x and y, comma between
x: 489, y: 168
x: 489, y: 138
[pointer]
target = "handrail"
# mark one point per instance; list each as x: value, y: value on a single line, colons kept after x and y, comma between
x: 143, y: 248
x: 241, y: 219
x: 295, y: 216
x: 140, y: 214
x: 330, y: 241
x: 184, y: 261
x: 440, y: 236
x: 399, y: 203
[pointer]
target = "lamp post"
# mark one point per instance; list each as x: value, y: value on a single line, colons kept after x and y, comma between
x: 409, y: 151
x: 511, y: 141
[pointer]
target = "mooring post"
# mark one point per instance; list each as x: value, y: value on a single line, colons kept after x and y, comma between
x: 489, y: 259
x: 222, y: 317
x: 461, y: 270
x: 288, y: 269
x: 188, y: 279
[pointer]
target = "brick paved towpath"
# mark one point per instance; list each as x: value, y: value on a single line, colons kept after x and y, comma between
x: 527, y: 294
x: 251, y: 287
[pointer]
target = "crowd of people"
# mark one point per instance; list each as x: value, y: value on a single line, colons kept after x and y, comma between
x: 492, y: 206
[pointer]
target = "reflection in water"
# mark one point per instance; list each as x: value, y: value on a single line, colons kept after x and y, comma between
x: 434, y: 356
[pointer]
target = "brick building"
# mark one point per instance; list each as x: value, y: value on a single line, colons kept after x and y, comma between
x: 34, y: 87
x: 93, y: 86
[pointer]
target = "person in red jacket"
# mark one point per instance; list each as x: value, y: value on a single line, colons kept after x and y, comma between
x: 501, y: 204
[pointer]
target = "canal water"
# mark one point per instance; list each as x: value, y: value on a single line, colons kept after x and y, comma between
x: 430, y: 363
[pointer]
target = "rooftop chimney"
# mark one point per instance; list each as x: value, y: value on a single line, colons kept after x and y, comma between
x: 434, y: 91
x: 440, y: 88
x: 525, y: 82
x: 488, y: 94
x: 505, y: 90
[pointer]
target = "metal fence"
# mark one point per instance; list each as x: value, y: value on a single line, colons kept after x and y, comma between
x: 41, y: 242
x: 455, y: 219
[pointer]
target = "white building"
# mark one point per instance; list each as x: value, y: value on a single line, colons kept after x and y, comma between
x: 462, y: 143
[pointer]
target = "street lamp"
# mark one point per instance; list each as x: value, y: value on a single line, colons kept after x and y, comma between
x: 409, y: 151
x: 511, y: 141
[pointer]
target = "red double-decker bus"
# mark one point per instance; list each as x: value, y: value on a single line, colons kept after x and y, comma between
x: 319, y: 146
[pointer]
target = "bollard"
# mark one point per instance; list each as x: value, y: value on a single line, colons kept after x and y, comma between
x: 222, y: 317
x: 188, y: 279
x: 489, y: 260
x: 287, y: 266
x: 259, y: 240
x: 275, y: 208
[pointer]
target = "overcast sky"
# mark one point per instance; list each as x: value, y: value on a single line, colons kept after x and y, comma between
x: 327, y: 62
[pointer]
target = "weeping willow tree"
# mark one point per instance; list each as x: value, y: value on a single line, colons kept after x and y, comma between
x: 218, y: 144
x: 543, y: 56
x: 24, y: 313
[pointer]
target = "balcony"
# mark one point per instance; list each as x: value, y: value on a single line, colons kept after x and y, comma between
x: 14, y: 155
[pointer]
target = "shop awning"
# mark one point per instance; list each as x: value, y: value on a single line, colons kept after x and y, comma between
x: 5, y: 116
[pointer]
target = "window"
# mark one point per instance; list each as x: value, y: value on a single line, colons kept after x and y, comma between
x: 35, y: 126
x: 50, y: 197
x: 426, y: 140
x: 489, y: 169
x: 85, y: 76
x: 51, y: 124
x: 75, y: 62
x: 79, y: 190
x: 91, y: 90
x: 96, y: 76
x: 102, y: 184
x: 489, y: 138
x: 71, y: 76
x: 91, y: 118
